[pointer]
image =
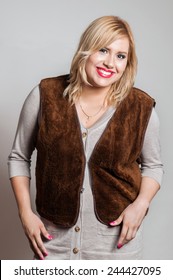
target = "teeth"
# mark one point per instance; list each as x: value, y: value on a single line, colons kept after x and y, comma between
x: 105, y: 72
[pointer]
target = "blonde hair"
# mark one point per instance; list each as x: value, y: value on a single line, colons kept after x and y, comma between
x: 100, y: 33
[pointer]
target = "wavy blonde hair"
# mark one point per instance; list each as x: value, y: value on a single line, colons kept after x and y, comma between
x: 101, y: 33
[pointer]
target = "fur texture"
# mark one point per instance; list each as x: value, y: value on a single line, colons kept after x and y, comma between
x: 113, y: 165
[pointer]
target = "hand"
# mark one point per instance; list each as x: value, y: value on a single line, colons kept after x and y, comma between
x: 131, y: 219
x: 34, y: 228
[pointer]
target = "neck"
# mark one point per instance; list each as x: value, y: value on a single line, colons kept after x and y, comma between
x: 93, y: 94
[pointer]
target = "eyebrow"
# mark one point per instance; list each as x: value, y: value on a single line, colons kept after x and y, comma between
x: 124, y: 52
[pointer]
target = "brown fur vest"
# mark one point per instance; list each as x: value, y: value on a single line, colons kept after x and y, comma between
x: 113, y: 165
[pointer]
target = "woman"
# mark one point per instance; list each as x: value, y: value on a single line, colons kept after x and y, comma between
x: 98, y: 154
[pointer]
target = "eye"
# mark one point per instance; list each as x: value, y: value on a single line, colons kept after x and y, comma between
x: 103, y: 50
x: 121, y: 56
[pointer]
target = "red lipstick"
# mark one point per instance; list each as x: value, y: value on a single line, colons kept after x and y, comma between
x: 104, y: 73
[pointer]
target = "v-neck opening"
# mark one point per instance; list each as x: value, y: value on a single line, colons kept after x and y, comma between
x: 100, y: 121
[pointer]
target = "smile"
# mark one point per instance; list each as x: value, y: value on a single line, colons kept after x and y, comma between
x: 104, y: 73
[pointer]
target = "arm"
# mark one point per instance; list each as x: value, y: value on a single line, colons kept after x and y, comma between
x: 32, y: 225
x: 152, y: 171
x: 19, y: 172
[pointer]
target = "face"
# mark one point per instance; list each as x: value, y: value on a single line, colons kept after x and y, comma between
x: 106, y: 66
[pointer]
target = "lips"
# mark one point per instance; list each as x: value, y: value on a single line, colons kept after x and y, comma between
x: 104, y: 73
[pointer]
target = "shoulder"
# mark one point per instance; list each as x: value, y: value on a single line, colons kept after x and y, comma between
x: 139, y: 96
x: 31, y: 106
x: 52, y: 82
x: 140, y: 93
x: 33, y: 98
x: 154, y: 122
x: 52, y: 89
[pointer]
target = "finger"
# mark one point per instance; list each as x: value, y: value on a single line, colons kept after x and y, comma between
x: 130, y: 235
x: 122, y: 238
x: 36, y: 249
x: 117, y: 221
x: 45, y: 233
x: 40, y: 245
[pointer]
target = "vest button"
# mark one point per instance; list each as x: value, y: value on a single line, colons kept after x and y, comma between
x: 75, y: 250
x: 84, y: 134
x: 77, y: 228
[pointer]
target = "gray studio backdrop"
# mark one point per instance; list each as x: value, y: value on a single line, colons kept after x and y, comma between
x: 37, y: 40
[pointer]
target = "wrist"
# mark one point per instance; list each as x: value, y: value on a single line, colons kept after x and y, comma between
x: 25, y: 212
x: 142, y: 202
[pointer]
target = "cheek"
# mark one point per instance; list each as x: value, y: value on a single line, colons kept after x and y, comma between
x: 122, y: 66
x: 88, y: 67
x: 89, y: 64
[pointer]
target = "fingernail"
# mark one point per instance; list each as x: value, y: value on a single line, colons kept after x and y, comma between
x: 119, y: 246
x: 41, y: 258
x: 46, y: 254
x: 50, y: 237
x: 114, y: 223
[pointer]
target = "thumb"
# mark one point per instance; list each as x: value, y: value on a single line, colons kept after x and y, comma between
x: 117, y: 222
x: 45, y: 233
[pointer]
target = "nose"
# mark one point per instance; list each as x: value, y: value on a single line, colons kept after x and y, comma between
x: 109, y: 62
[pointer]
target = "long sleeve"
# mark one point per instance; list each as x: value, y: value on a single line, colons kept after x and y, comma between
x: 151, y: 152
x: 19, y: 160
